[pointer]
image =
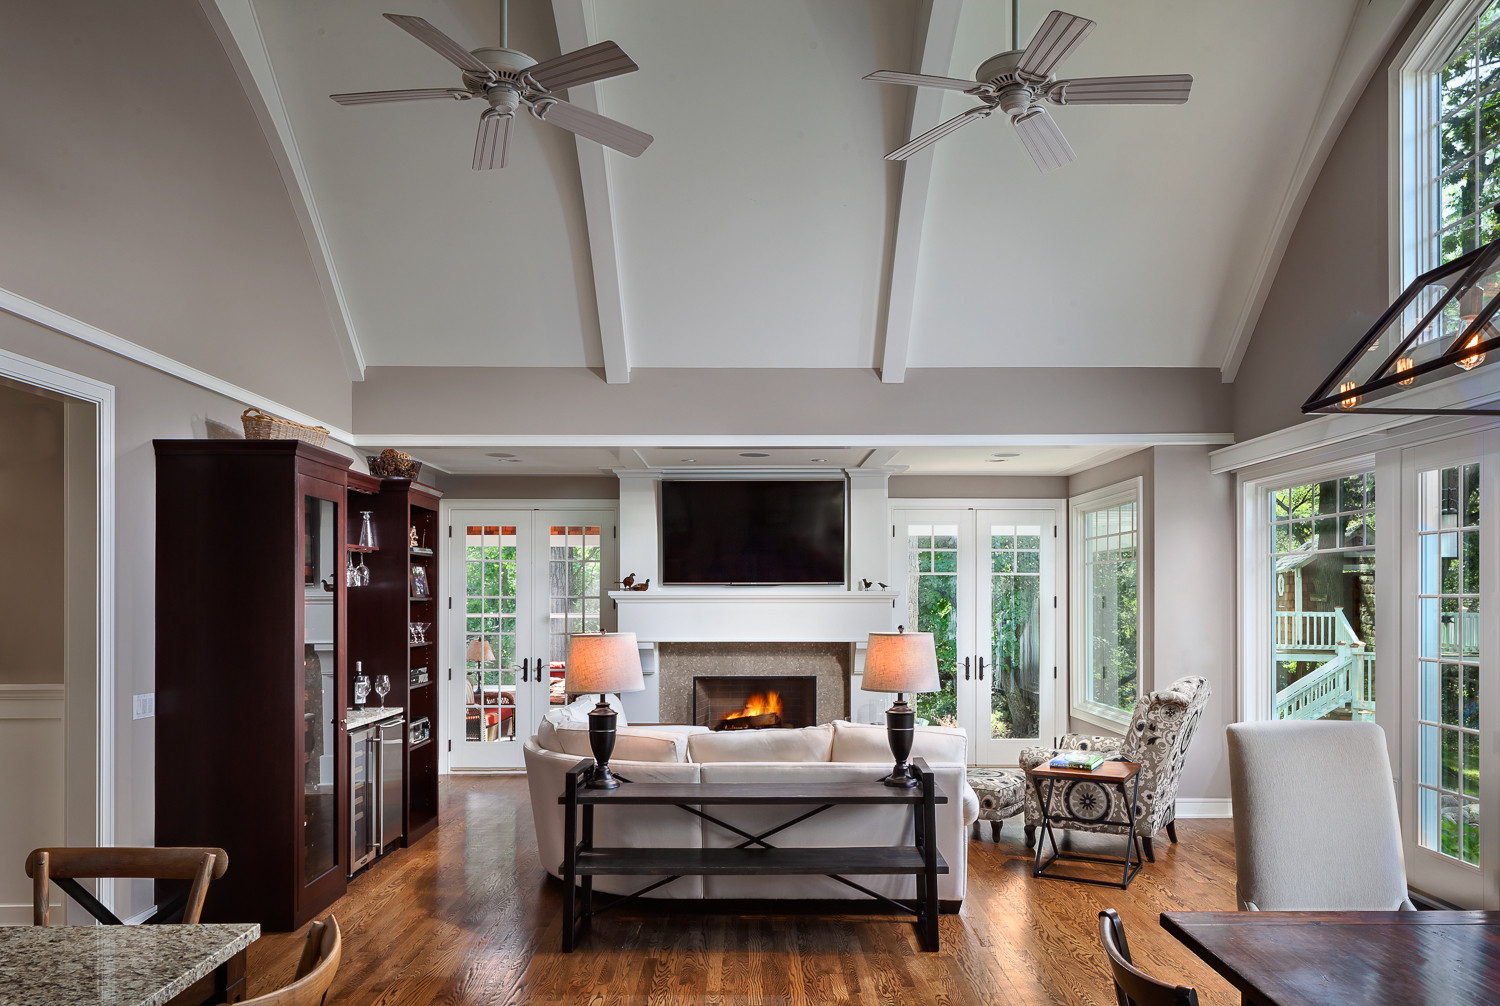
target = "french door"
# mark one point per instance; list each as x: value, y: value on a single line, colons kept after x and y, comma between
x: 523, y: 582
x: 985, y: 583
x: 1450, y: 559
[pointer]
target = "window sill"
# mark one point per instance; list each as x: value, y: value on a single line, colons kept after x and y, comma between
x: 1101, y: 716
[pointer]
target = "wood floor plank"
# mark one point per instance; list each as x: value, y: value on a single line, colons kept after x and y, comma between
x: 468, y: 916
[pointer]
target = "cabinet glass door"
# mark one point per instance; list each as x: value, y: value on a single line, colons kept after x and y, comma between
x: 322, y: 777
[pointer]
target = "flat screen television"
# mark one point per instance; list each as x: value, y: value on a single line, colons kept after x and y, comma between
x: 752, y: 531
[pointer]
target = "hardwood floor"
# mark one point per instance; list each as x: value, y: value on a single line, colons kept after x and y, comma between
x: 468, y: 916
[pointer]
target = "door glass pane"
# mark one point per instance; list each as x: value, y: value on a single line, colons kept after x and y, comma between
x: 576, y: 595
x: 1015, y: 630
x: 319, y: 664
x: 1448, y: 662
x: 490, y: 633
x: 932, y: 606
x: 1323, y: 593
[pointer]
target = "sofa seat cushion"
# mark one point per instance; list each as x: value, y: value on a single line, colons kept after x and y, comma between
x: 808, y: 744
x: 860, y: 742
x: 631, y: 743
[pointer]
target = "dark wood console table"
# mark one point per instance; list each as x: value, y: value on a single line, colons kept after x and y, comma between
x: 754, y: 856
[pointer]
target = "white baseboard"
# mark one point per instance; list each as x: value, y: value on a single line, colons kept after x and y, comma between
x: 1204, y: 807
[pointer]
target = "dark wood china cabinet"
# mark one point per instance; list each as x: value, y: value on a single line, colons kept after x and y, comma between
x: 256, y: 636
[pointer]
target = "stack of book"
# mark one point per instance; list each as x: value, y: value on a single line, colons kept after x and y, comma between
x: 1084, y: 760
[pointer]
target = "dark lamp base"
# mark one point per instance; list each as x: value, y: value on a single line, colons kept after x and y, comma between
x: 602, y: 720
x: 900, y: 732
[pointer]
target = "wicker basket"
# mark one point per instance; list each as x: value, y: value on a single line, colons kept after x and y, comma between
x: 393, y: 464
x: 264, y: 426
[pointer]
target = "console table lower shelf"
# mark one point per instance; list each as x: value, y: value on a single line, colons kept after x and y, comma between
x: 754, y: 856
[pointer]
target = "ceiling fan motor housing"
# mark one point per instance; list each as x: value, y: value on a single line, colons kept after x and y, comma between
x: 998, y: 71
x: 505, y: 62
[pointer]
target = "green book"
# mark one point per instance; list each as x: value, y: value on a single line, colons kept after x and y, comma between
x: 1085, y: 760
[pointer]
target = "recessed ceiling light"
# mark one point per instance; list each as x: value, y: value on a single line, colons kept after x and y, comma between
x: 512, y: 461
x: 818, y: 461
x: 1002, y: 455
x: 754, y: 454
x: 499, y: 455
x: 687, y: 461
x: 995, y: 461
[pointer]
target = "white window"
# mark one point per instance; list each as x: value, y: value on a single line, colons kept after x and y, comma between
x: 1446, y: 156
x: 1106, y: 617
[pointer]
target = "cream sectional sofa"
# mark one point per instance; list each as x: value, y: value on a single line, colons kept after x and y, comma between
x: 831, y: 753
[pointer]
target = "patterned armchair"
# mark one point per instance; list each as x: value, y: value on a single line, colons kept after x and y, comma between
x: 1157, y: 738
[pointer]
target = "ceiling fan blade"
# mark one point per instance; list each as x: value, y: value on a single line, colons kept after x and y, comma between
x: 1156, y: 89
x: 416, y: 94
x: 492, y: 144
x: 937, y: 132
x: 582, y: 66
x: 1058, y: 36
x: 424, y: 32
x: 593, y: 126
x: 920, y: 80
x: 1042, y: 139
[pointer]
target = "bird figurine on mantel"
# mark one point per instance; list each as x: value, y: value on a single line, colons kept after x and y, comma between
x: 864, y: 585
x: 628, y: 581
x: 640, y: 586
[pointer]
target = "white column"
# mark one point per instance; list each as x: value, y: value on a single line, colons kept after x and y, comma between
x: 640, y: 546
x: 869, y: 526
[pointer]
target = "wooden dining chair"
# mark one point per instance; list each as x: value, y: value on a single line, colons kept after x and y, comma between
x: 315, y: 971
x: 1133, y: 987
x: 64, y: 865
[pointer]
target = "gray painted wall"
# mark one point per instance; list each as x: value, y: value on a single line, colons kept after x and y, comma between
x: 31, y: 536
x: 396, y: 401
x: 148, y: 405
x: 1334, y: 270
x: 141, y: 196
x: 1187, y: 591
x: 1031, y: 487
x: 518, y: 487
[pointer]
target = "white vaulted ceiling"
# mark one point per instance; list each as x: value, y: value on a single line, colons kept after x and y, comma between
x: 758, y: 229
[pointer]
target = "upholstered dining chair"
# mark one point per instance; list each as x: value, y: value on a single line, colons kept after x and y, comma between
x: 64, y: 866
x: 315, y: 971
x: 1133, y: 987
x: 1315, y: 820
x: 1158, y: 737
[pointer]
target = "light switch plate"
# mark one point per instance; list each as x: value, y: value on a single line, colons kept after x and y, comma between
x: 145, y: 706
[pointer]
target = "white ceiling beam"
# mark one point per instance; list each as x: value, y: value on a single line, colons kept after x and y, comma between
x: 238, y: 28
x: 935, y: 56
x: 575, y: 30
x: 1372, y: 29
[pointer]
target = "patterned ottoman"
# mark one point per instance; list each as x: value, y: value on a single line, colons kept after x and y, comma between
x: 1002, y: 794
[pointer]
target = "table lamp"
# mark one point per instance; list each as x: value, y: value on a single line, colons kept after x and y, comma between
x: 900, y: 662
x: 603, y: 662
x: 479, y: 651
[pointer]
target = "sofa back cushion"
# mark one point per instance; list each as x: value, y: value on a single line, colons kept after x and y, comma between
x: 860, y: 742
x: 804, y: 745
x: 576, y: 713
x: 631, y: 743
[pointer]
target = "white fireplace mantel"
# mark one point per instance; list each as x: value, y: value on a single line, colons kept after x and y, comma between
x: 754, y: 614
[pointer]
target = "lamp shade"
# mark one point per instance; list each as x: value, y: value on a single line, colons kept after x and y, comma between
x: 604, y: 662
x: 479, y: 651
x: 900, y: 662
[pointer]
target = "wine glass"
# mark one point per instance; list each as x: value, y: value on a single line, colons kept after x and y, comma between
x: 364, y: 571
x: 351, y: 573
x: 383, y: 687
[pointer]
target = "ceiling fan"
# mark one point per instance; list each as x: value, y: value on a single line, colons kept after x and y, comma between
x: 507, y: 79
x: 1017, y: 82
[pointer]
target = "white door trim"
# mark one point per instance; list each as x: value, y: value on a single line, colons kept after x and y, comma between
x: 95, y: 775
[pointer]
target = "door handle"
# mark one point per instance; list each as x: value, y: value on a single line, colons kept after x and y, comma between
x: 966, y: 668
x: 981, y: 668
x: 525, y: 663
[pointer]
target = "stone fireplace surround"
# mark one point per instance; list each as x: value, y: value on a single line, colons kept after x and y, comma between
x: 680, y: 663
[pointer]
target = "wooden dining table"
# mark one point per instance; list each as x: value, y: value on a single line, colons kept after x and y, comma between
x: 1349, y: 958
x: 124, y: 965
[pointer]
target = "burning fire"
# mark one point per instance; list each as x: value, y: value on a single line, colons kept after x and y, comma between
x: 758, y: 704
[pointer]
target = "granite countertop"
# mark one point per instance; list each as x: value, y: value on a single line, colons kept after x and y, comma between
x: 369, y: 714
x: 112, y: 965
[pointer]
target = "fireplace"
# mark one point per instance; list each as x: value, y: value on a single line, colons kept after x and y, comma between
x: 754, y: 702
